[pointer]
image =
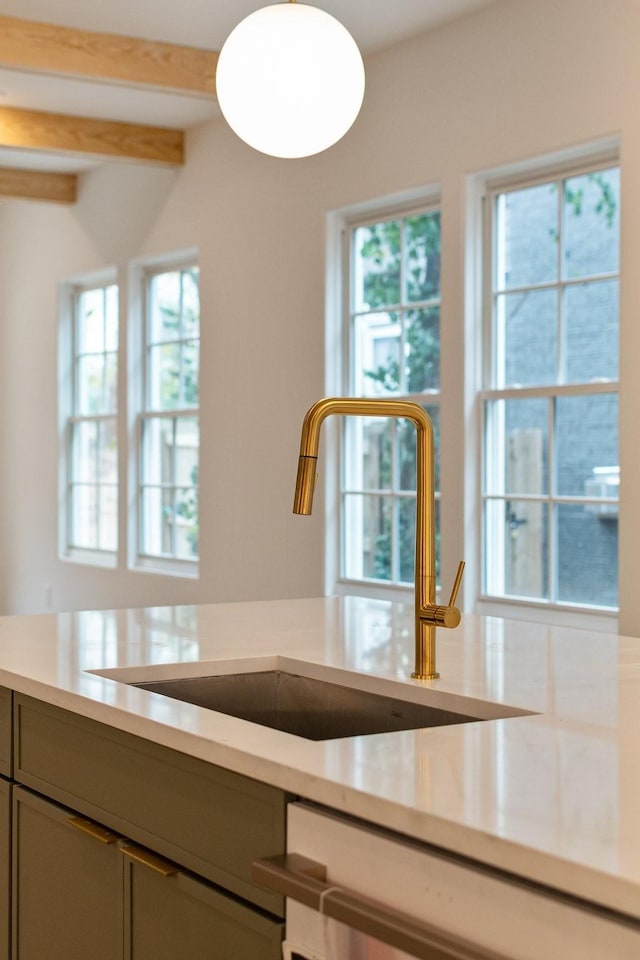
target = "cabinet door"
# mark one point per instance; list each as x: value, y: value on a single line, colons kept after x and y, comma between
x: 6, y: 732
x: 67, y: 884
x: 5, y: 866
x: 170, y: 914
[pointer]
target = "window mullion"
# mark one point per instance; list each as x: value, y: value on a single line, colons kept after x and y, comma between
x: 174, y: 494
x: 551, y: 495
x: 393, y: 502
x: 561, y: 358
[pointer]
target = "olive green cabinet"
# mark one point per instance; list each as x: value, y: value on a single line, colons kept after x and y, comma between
x: 6, y: 758
x: 123, y: 849
x: 80, y: 890
x: 6, y: 772
x: 5, y: 867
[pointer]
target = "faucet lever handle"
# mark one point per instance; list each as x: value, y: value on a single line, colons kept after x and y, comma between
x: 456, y: 584
x: 440, y: 616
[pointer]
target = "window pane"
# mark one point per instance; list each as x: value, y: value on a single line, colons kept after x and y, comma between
x: 526, y: 338
x: 434, y: 413
x: 368, y: 522
x: 84, y: 516
x: 592, y: 223
x: 111, y: 327
x: 591, y: 331
x: 91, y: 321
x: 186, y: 452
x: 587, y: 544
x: 406, y: 509
x: 190, y: 303
x: 164, y: 307
x: 586, y: 440
x: 517, y: 548
x: 517, y: 448
x: 422, y: 256
x: 164, y: 374
x: 376, y: 454
x: 377, y: 265
x: 84, y: 439
x: 157, y: 521
x: 422, y: 350
x: 187, y: 523
x: 157, y: 445
x: 90, y: 385
x: 527, y: 248
x: 111, y: 384
x: 377, y: 354
x: 108, y: 519
x: 108, y: 457
x: 406, y: 440
x: 406, y: 455
x: 190, y: 372
x: 406, y: 521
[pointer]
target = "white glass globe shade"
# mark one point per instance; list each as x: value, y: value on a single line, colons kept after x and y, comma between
x: 290, y: 80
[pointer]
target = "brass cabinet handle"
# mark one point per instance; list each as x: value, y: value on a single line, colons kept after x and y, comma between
x: 93, y: 829
x: 304, y: 880
x: 148, y: 859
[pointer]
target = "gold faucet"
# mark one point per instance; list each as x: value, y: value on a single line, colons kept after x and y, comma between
x: 428, y: 614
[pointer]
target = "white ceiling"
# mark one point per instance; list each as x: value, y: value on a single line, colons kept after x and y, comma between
x: 374, y: 24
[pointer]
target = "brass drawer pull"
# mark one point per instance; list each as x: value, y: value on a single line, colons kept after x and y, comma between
x: 305, y: 880
x: 93, y: 829
x: 151, y: 860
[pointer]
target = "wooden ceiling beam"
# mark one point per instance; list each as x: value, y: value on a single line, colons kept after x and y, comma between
x: 87, y: 137
x: 34, y: 185
x: 110, y: 58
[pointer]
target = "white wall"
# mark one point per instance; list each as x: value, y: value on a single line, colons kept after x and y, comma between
x: 521, y: 78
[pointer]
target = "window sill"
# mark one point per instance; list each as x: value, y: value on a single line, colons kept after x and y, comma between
x: 166, y: 567
x: 374, y: 589
x: 90, y: 558
x: 604, y: 620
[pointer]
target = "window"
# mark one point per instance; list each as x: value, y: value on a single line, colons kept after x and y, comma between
x: 550, y: 474
x: 393, y: 323
x: 169, y: 422
x: 92, y: 425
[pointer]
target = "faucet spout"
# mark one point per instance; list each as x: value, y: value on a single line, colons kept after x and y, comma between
x: 428, y: 614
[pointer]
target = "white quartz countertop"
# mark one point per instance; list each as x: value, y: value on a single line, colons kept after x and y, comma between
x: 553, y: 796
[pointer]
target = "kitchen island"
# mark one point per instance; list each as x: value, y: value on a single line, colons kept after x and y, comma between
x: 551, y: 796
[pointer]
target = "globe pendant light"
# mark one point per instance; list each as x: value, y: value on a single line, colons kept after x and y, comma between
x: 290, y: 80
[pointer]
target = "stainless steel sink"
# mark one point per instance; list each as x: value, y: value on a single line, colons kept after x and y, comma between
x: 304, y: 706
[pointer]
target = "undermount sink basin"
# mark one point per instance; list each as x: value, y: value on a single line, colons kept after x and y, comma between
x: 304, y: 706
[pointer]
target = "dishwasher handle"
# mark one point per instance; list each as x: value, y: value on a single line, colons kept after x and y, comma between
x: 305, y: 881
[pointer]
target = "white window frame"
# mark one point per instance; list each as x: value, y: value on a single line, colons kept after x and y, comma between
x: 551, y: 610
x: 69, y: 416
x: 339, y: 347
x: 142, y: 273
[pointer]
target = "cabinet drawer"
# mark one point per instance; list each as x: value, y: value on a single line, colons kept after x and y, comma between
x: 5, y: 732
x: 209, y: 820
